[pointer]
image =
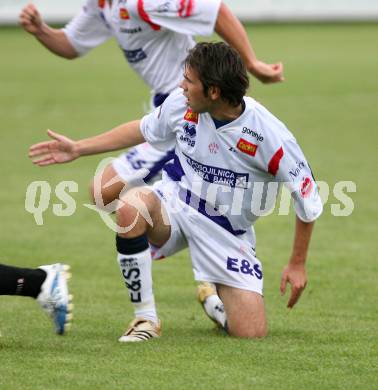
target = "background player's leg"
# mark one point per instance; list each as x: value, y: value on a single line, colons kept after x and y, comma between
x: 245, y: 312
x: 47, y: 284
x: 21, y: 281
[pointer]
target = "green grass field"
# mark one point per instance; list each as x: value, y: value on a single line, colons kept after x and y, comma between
x: 329, y: 101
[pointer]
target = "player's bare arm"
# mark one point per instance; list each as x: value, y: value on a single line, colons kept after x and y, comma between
x: 295, y: 271
x: 62, y: 149
x: 53, y: 39
x: 232, y: 31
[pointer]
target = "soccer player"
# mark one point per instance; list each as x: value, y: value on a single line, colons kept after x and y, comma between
x: 47, y: 284
x: 154, y: 36
x: 229, y: 150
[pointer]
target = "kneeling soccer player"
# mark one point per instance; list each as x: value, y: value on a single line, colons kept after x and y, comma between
x: 227, y: 147
x: 47, y: 284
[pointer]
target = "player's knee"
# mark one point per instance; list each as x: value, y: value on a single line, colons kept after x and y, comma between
x: 134, y: 211
x: 249, y: 326
x: 248, y: 332
x: 125, y: 213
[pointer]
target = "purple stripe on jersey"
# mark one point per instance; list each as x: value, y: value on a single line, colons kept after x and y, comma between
x: 175, y: 172
x: 158, y: 165
x: 199, y: 204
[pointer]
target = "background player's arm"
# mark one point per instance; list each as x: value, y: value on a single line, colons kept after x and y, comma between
x: 62, y: 149
x: 295, y: 271
x: 229, y: 28
x: 53, y: 39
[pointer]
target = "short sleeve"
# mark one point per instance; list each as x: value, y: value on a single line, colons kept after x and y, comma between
x: 87, y: 29
x: 290, y: 167
x: 157, y: 127
x: 191, y: 17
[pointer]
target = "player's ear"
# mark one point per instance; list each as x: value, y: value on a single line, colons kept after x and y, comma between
x: 214, y: 92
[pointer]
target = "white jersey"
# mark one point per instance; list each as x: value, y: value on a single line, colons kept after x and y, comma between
x: 154, y: 35
x: 224, y: 173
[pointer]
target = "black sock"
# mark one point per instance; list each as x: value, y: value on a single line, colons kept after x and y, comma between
x: 21, y: 281
x: 129, y: 246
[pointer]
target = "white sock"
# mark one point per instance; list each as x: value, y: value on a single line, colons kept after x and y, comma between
x: 215, y: 309
x: 136, y: 269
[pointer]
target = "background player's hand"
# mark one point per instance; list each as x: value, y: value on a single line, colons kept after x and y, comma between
x: 30, y: 19
x: 267, y: 73
x: 58, y: 151
x: 295, y: 274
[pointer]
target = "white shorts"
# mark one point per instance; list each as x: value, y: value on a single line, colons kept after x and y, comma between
x: 217, y: 255
x: 141, y: 165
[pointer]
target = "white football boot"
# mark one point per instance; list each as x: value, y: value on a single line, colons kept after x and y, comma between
x: 54, y: 297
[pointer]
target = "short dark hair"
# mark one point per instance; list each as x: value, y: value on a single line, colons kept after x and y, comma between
x: 219, y: 65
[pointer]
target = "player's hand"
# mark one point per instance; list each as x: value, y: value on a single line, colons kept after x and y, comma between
x: 267, y: 73
x: 58, y: 151
x: 30, y: 19
x: 296, y: 276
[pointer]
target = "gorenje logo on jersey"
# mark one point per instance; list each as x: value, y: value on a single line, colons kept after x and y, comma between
x: 126, y: 30
x: 253, y: 133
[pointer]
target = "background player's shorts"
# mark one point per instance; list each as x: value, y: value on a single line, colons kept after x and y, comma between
x: 141, y: 164
x: 217, y: 255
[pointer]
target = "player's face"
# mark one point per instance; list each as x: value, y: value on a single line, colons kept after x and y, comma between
x: 193, y: 91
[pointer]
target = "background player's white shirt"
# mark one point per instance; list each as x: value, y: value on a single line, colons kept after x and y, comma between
x: 228, y: 167
x: 154, y: 35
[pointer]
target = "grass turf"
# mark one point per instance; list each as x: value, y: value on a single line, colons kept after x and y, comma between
x: 329, y: 101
